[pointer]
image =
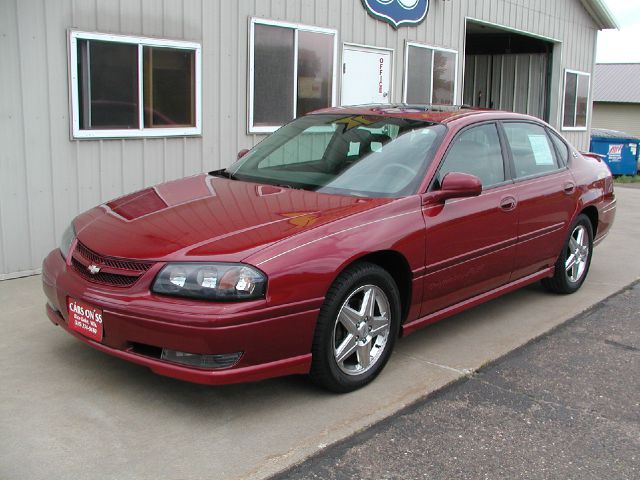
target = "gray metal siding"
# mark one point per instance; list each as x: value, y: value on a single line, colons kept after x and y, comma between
x: 46, y: 178
x: 624, y: 117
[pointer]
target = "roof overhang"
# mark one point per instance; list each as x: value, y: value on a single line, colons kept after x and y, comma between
x: 601, y: 14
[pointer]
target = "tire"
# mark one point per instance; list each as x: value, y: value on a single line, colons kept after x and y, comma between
x: 573, y: 263
x: 357, y: 328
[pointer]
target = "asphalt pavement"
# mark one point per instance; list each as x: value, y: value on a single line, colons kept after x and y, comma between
x: 564, y: 406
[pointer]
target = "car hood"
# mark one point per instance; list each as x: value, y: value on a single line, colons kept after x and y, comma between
x: 208, y: 218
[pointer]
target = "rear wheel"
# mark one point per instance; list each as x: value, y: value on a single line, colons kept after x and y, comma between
x: 357, y: 328
x: 573, y: 263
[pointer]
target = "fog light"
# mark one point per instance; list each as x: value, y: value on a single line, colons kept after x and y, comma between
x: 201, y: 361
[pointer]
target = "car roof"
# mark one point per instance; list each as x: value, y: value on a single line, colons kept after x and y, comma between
x: 429, y: 113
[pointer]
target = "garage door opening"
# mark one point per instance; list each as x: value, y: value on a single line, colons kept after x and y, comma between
x: 507, y: 70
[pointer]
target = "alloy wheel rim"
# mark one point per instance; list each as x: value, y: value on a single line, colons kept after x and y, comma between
x: 361, y: 330
x: 578, y: 254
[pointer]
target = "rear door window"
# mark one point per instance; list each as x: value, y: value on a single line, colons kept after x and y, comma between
x: 531, y: 149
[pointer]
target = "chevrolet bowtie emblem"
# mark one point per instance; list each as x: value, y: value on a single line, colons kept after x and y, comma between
x: 93, y: 269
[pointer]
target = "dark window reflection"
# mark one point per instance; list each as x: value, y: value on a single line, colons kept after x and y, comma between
x: 273, y: 75
x: 444, y: 68
x: 419, y: 75
x: 315, y: 67
x: 168, y: 87
x: 581, y: 99
x: 108, y: 85
x: 570, y: 100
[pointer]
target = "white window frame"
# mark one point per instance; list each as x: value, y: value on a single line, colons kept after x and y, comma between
x: 78, y: 133
x: 433, y: 50
x: 296, y: 27
x: 575, y: 110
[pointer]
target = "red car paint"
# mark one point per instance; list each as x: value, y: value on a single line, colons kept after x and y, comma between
x: 456, y: 254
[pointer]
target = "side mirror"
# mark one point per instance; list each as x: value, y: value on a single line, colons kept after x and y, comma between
x: 455, y: 185
x: 242, y: 153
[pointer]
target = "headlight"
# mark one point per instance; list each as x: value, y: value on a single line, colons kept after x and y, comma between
x: 68, y: 237
x: 211, y: 281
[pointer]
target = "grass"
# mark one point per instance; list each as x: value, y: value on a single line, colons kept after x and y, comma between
x: 628, y: 179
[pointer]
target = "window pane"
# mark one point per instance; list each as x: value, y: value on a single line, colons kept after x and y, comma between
x: 169, y: 98
x: 107, y: 85
x: 476, y: 151
x: 273, y: 75
x: 315, y: 71
x: 419, y: 75
x: 581, y: 99
x: 571, y: 80
x: 444, y: 68
x: 531, y: 149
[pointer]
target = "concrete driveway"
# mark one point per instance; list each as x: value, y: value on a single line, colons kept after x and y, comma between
x: 67, y: 411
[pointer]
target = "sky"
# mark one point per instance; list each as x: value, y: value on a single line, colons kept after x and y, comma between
x: 622, y: 45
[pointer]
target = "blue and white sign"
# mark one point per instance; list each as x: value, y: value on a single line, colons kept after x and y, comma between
x: 398, y: 12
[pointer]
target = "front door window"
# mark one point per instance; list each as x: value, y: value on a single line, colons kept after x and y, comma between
x: 476, y: 151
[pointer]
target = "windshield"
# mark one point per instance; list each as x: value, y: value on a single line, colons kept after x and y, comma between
x: 362, y: 155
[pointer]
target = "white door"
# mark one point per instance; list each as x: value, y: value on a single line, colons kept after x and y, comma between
x: 366, y: 75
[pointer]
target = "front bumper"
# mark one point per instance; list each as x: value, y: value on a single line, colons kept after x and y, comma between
x: 275, y: 340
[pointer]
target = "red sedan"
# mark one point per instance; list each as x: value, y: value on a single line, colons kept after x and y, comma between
x: 335, y: 235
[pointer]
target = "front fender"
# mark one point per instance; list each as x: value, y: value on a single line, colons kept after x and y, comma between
x: 303, y: 267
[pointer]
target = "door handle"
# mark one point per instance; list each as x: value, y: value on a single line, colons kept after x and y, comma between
x: 569, y: 188
x: 508, y: 203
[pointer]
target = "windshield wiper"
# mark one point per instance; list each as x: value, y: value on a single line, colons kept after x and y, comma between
x: 223, y: 172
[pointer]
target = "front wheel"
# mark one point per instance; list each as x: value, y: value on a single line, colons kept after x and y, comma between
x: 573, y: 263
x: 357, y: 328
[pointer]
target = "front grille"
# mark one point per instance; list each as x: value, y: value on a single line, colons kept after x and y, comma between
x: 105, y: 278
x: 116, y: 272
x: 119, y: 263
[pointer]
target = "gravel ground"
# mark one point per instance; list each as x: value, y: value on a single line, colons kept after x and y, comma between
x: 565, y: 406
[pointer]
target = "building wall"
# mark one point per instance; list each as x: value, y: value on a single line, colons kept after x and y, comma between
x: 617, y: 116
x: 46, y: 178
